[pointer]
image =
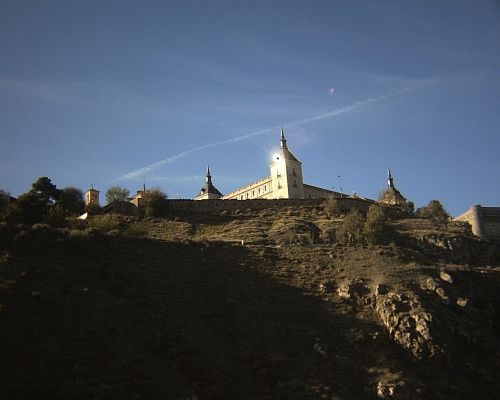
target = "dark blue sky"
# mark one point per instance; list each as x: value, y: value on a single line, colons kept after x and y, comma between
x: 103, y: 93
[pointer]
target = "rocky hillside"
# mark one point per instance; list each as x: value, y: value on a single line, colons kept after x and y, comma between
x: 250, y: 305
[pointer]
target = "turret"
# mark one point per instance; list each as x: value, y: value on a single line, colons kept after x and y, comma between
x: 209, y: 191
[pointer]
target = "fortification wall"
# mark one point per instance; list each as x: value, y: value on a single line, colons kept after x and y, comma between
x: 256, y: 204
x: 484, y: 221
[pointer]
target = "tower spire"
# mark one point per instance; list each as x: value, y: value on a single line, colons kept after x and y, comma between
x: 282, y: 139
x: 208, y: 176
x: 390, y: 179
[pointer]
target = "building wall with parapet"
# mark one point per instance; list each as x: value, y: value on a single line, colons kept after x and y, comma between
x: 257, y: 204
x: 262, y: 189
x: 484, y: 221
x: 315, y: 192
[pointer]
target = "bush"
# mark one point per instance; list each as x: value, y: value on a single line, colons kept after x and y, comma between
x: 105, y: 223
x: 351, y: 229
x: 139, y: 228
x: 334, y: 207
x: 373, y: 228
x: 55, y: 216
x: 434, y: 210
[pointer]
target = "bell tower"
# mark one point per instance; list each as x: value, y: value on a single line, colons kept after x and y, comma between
x: 286, y: 173
x: 92, y: 197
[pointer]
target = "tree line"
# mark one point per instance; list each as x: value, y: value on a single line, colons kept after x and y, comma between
x: 46, y: 203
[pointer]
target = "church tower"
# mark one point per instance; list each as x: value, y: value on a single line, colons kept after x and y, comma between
x: 92, y: 197
x: 286, y: 173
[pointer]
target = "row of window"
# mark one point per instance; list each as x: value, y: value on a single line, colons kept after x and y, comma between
x: 259, y: 192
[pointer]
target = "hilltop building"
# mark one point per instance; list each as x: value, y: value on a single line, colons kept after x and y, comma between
x: 92, y: 197
x: 284, y: 182
x: 391, y: 195
x: 209, y: 191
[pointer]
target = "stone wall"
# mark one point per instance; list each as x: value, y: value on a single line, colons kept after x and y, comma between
x: 256, y: 204
x: 484, y: 221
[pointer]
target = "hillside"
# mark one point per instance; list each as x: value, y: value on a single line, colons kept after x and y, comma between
x: 247, y: 305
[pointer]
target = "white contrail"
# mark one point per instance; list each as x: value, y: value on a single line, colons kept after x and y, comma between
x: 358, y: 104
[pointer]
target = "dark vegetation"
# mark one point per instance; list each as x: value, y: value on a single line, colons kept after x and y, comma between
x: 116, y: 193
x: 282, y: 303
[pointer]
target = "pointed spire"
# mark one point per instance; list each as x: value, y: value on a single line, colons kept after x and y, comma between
x: 208, y: 176
x: 282, y: 139
x: 390, y: 179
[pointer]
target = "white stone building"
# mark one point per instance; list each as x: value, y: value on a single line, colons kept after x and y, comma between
x: 285, y: 182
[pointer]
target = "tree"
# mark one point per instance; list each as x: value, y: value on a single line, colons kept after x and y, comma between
x: 4, y: 198
x: 117, y: 193
x: 373, y: 229
x: 434, y: 210
x: 44, y: 187
x: 71, y: 200
x: 155, y: 203
x: 351, y: 229
x: 29, y: 208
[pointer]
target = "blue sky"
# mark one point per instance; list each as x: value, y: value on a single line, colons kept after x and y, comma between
x: 109, y: 92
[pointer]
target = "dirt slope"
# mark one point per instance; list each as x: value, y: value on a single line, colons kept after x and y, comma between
x: 86, y: 315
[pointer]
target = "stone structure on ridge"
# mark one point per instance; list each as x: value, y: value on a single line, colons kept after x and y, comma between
x: 209, y: 191
x: 285, y: 182
x: 391, y: 195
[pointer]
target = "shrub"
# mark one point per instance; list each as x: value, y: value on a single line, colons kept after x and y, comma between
x: 55, y: 216
x: 351, y: 229
x: 434, y: 210
x: 373, y: 228
x: 139, y: 228
x: 334, y: 207
x: 105, y: 223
